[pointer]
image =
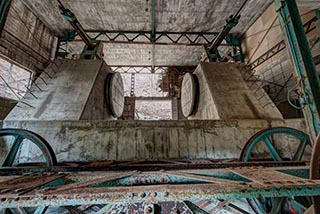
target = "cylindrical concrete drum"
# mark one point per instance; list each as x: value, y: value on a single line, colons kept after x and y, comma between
x: 188, y: 94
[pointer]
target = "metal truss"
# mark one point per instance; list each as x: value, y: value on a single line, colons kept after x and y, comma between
x: 308, y: 27
x: 153, y: 188
x: 159, y: 38
x: 140, y: 69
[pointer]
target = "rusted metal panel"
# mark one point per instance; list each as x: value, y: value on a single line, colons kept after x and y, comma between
x: 39, y: 190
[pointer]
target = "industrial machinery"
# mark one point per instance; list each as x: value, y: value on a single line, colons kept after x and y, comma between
x: 166, y: 186
x: 276, y: 185
x: 93, y: 49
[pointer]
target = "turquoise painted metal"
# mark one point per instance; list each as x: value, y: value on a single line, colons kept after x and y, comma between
x: 72, y: 19
x: 306, y: 75
x: 146, y: 193
x: 19, y: 136
x: 265, y: 136
x: 4, y: 8
x: 212, y: 50
x: 264, y: 205
x: 317, y: 12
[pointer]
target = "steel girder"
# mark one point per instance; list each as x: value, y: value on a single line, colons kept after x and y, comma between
x: 70, y: 189
x: 305, y: 72
x: 308, y: 26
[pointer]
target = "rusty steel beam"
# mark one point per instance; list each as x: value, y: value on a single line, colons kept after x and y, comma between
x: 30, y: 190
x: 308, y: 26
x: 147, y: 165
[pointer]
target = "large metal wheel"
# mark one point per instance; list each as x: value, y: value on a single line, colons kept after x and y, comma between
x: 265, y: 136
x: 273, y: 205
x: 19, y: 136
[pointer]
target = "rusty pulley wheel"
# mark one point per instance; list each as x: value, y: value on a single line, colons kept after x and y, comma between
x: 266, y: 136
x: 19, y: 136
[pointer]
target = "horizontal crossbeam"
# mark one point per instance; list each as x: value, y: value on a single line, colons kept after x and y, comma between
x: 69, y: 189
x: 159, y: 38
x: 273, y: 51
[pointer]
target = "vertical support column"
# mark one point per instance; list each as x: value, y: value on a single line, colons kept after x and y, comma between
x: 305, y: 72
x: 153, y: 34
x: 4, y: 9
x: 133, y: 83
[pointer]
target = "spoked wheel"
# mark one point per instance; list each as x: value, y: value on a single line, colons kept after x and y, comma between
x: 21, y: 136
x: 273, y: 205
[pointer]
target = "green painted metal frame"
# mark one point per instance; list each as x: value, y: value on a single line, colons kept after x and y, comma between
x: 71, y: 189
x: 212, y: 49
x: 4, y: 9
x: 302, y: 59
x: 275, y: 205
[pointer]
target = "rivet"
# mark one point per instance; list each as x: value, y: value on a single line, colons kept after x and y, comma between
x: 131, y: 195
x: 142, y: 195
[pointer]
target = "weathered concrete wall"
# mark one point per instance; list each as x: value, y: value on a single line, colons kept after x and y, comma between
x: 75, y: 92
x: 25, y: 39
x: 225, y: 95
x: 130, y: 140
x: 6, y: 105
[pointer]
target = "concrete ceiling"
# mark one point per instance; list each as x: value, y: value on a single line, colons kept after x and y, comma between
x: 135, y: 15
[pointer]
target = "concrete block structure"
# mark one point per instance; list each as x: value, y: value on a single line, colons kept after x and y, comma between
x: 67, y: 90
x: 150, y: 140
x: 224, y: 94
